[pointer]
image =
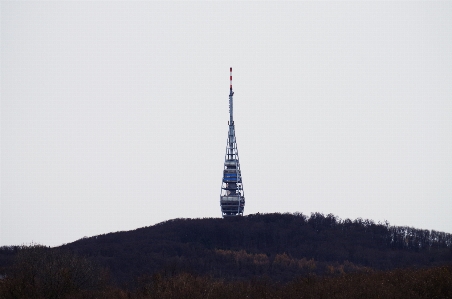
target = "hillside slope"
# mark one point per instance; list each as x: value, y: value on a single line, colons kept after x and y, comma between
x: 280, y: 246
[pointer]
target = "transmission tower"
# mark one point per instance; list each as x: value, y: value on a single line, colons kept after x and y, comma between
x: 232, y: 196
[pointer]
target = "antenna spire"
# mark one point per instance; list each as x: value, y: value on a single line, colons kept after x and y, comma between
x: 230, y: 86
x: 231, y: 93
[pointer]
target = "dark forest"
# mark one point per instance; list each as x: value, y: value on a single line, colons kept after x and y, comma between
x: 255, y: 256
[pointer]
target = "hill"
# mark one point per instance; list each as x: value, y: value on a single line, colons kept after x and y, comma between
x: 256, y: 256
x: 280, y: 246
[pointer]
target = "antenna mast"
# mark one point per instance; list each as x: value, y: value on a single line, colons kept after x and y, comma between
x: 232, y: 196
x: 231, y: 93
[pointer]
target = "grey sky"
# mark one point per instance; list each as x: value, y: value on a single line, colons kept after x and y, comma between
x: 114, y: 115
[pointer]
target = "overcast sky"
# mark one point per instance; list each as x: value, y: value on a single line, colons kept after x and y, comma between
x: 114, y: 115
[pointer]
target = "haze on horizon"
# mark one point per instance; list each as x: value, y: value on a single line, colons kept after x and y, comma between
x: 114, y: 114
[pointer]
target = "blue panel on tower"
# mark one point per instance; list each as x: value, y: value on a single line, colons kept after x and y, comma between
x: 230, y: 175
x: 232, y: 180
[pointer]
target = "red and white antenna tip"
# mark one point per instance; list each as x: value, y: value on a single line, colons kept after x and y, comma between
x: 230, y: 85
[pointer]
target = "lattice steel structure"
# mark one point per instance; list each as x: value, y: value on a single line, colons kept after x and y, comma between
x: 232, y: 196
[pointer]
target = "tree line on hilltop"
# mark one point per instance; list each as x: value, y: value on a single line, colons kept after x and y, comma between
x: 241, y: 251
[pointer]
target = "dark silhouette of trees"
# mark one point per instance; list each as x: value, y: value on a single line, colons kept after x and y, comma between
x: 280, y: 247
x: 41, y: 272
x: 199, y: 246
